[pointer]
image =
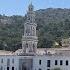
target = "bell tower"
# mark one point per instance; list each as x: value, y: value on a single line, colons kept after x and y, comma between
x: 29, y: 39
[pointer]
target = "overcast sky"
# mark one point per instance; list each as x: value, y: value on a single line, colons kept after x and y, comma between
x: 19, y: 7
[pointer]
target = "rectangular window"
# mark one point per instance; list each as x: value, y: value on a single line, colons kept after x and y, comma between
x: 1, y: 60
x: 66, y: 62
x: 48, y: 63
x: 61, y: 62
x: 56, y: 62
x: 1, y: 68
x: 12, y: 60
x: 8, y: 62
x: 39, y: 62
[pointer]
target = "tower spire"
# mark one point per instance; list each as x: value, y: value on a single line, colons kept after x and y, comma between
x: 30, y: 5
x: 29, y: 39
x: 31, y: 13
x: 30, y: 1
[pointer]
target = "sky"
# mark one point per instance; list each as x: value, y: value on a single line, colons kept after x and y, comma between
x: 19, y: 7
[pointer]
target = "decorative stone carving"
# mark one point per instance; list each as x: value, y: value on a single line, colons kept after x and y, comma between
x: 30, y: 37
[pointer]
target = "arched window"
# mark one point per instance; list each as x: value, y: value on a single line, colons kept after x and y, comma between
x: 28, y: 31
x: 33, y: 31
x: 26, y: 45
x: 33, y: 46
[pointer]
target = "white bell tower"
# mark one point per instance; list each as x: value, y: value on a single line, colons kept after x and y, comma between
x: 29, y: 39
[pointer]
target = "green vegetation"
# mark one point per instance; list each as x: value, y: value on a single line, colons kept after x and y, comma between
x: 56, y: 69
x: 53, y: 25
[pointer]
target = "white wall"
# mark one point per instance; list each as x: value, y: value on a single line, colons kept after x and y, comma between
x: 44, y: 59
x: 4, y: 64
x: 36, y: 59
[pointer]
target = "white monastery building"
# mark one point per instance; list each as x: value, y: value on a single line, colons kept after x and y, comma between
x: 32, y: 58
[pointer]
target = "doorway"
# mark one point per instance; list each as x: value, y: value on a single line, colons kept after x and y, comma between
x: 24, y: 68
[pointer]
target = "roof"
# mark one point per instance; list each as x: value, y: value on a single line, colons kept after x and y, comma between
x: 40, y: 51
x: 3, y: 52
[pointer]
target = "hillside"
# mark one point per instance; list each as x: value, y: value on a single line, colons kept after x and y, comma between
x: 53, y: 25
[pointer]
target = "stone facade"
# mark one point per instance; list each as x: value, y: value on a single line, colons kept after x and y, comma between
x: 29, y: 39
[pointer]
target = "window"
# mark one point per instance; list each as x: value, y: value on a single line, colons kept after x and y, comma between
x: 28, y: 32
x: 61, y: 62
x: 27, y: 45
x: 7, y: 68
x: 1, y: 68
x: 48, y: 69
x: 56, y: 62
x: 1, y: 60
x: 40, y: 69
x: 12, y: 60
x: 12, y: 68
x: 31, y: 27
x: 39, y: 62
x: 34, y: 47
x: 8, y: 62
x: 48, y: 63
x: 66, y: 62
